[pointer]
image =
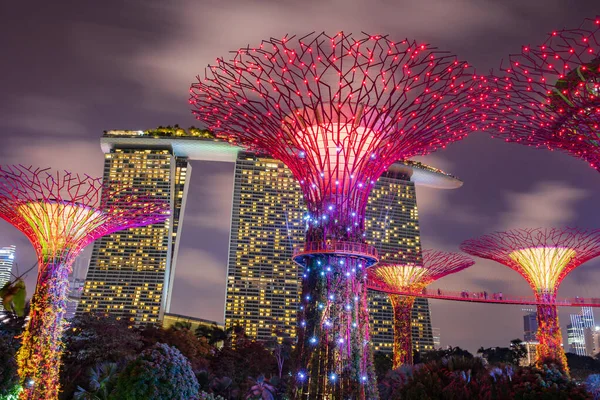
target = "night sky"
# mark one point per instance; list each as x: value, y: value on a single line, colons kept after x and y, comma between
x: 71, y: 69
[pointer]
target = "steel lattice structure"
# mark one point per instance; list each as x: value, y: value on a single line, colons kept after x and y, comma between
x: 549, y: 96
x: 60, y: 213
x: 413, y: 277
x: 544, y: 257
x: 338, y: 110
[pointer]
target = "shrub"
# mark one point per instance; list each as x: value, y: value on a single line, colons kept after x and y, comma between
x: 160, y: 372
x: 8, y: 366
x: 592, y: 384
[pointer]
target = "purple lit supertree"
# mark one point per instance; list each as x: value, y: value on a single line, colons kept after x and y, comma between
x: 544, y: 257
x: 60, y: 214
x: 411, y: 276
x: 549, y: 96
x: 337, y: 111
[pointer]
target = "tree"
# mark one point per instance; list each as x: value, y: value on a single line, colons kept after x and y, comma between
x: 282, y: 352
x: 439, y: 354
x: 215, y: 335
x: 8, y: 365
x: 160, y: 372
x: 92, y: 339
x: 182, y: 326
x: 195, y: 350
x: 261, y: 389
x: 102, y: 383
x: 383, y: 363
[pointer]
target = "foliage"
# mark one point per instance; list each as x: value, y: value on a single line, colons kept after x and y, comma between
x: 160, y: 372
x: 383, y: 364
x: 592, y: 384
x: 581, y: 366
x: 459, y: 378
x: 210, y: 396
x: 102, y: 382
x: 8, y: 365
x: 215, y: 335
x: 92, y: 339
x: 248, y: 358
x: 12, y: 394
x: 505, y: 355
x: 261, y: 389
x: 194, y: 349
x: 439, y: 354
x: 13, y: 296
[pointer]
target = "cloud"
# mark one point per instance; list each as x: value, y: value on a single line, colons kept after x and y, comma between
x: 548, y: 204
x: 45, y: 115
x: 73, y: 155
x: 194, y: 41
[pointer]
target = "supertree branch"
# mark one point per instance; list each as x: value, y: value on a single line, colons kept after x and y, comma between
x: 60, y: 213
x: 338, y: 111
x: 549, y: 96
x: 543, y: 257
x: 412, y: 275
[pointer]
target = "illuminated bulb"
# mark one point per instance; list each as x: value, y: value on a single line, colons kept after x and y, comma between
x: 333, y: 377
x: 313, y: 340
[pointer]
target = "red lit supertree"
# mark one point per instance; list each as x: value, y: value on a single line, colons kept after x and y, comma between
x: 60, y: 214
x: 544, y: 257
x: 411, y: 276
x: 337, y: 111
x: 549, y: 96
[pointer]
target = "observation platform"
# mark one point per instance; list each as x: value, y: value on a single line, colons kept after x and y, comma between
x: 196, y: 144
x: 360, y: 251
x: 483, y: 297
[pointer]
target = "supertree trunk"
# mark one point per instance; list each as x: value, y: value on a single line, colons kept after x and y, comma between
x: 550, y: 350
x: 39, y: 355
x: 335, y: 360
x: 403, y: 349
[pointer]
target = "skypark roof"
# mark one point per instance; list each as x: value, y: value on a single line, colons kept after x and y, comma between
x: 196, y: 144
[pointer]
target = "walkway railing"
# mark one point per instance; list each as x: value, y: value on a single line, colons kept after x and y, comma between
x: 333, y: 246
x: 485, y: 297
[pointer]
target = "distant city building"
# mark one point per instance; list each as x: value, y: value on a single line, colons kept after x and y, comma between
x: 592, y: 340
x: 437, y: 338
x: 576, y: 332
x: 131, y: 272
x: 530, y: 356
x: 171, y: 319
x: 7, y: 258
x: 530, y: 325
x: 75, y: 290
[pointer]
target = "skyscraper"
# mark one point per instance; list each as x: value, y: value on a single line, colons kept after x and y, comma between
x: 530, y: 325
x: 7, y: 258
x: 576, y: 332
x: 437, y: 338
x: 131, y: 272
x: 262, y: 280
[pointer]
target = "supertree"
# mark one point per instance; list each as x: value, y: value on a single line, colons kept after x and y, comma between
x: 549, y: 96
x: 544, y: 257
x: 338, y: 110
x: 60, y: 213
x: 401, y: 275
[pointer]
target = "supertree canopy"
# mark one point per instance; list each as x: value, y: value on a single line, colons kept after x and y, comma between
x: 549, y: 96
x: 411, y: 276
x: 60, y: 214
x: 543, y: 257
x: 338, y: 110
